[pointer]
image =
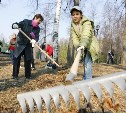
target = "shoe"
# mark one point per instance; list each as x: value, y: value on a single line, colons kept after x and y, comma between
x: 49, y: 64
x: 16, y: 78
x: 48, y: 67
x: 28, y: 78
x: 54, y: 66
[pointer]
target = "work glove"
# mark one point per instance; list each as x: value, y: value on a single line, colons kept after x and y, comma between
x: 80, y: 48
x: 15, y: 26
x: 33, y: 42
x: 32, y: 35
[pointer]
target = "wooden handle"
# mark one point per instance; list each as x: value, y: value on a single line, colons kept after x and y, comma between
x: 39, y: 48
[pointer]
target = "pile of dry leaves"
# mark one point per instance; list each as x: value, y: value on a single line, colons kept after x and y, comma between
x: 43, y: 78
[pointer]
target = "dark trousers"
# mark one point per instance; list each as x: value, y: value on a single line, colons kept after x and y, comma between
x: 16, y: 66
x: 110, y: 61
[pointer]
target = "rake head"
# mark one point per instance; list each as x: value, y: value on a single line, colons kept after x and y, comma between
x: 35, y: 97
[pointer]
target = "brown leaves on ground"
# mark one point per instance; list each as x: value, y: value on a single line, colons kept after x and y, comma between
x: 109, y: 104
x: 43, y: 78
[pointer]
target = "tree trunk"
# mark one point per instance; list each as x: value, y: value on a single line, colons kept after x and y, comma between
x: 70, y: 53
x: 76, y: 2
x: 124, y: 41
x: 55, y: 34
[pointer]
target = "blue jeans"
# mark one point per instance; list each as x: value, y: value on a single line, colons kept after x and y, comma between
x: 87, y: 66
x: 12, y: 56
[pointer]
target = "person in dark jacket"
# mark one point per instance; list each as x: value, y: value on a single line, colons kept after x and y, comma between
x: 24, y: 46
x: 110, y: 57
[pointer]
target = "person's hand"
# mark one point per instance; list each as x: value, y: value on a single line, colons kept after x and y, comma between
x: 33, y: 42
x: 80, y: 48
x: 15, y: 26
x: 32, y: 35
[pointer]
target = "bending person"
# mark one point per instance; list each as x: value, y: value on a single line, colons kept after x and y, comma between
x: 83, y: 38
x: 24, y: 46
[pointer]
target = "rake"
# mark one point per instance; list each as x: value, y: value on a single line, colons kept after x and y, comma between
x: 84, y: 86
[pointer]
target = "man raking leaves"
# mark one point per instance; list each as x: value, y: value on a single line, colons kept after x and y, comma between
x: 27, y: 37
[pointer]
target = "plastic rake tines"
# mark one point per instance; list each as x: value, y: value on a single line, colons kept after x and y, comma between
x: 35, y: 98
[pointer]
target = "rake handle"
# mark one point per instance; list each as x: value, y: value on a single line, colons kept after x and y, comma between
x: 39, y: 48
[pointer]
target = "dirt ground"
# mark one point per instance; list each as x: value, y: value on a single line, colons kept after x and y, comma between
x: 43, y: 78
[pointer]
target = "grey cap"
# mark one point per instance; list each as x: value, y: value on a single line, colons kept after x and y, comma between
x: 76, y: 8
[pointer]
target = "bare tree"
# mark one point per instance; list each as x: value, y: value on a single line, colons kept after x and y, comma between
x: 112, y: 30
x: 93, y: 12
x: 55, y: 32
x: 124, y: 40
x: 48, y: 21
x: 76, y: 2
